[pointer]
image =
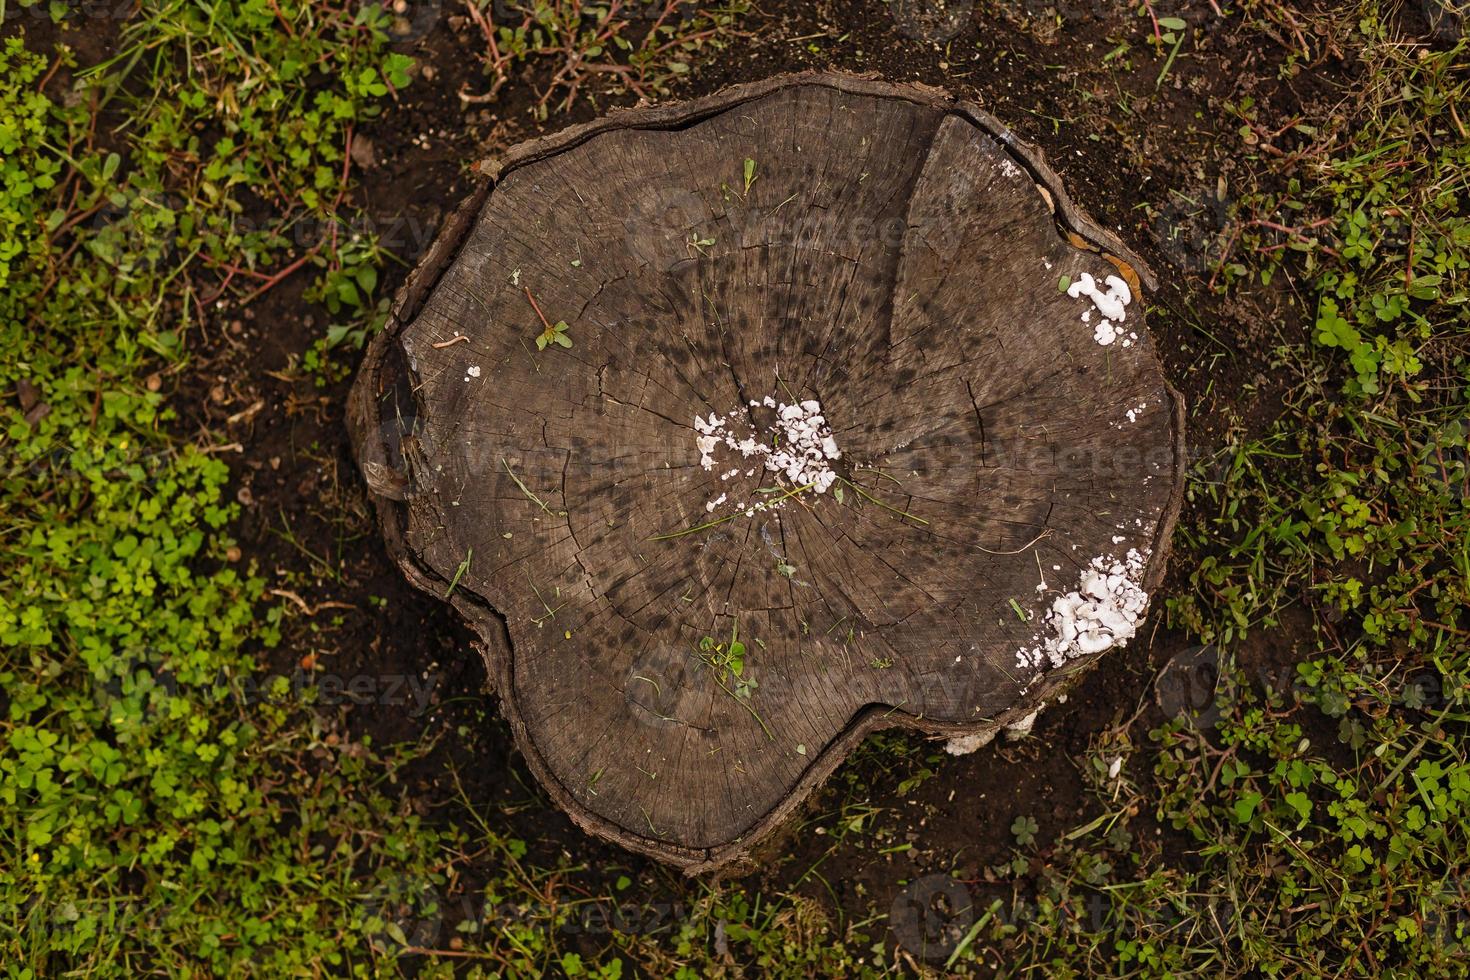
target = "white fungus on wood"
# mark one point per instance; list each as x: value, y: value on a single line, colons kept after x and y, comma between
x: 1102, y: 612
x: 965, y: 744
x: 1019, y: 729
x: 1111, y: 303
x: 799, y: 445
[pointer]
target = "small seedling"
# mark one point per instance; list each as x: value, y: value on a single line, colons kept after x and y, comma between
x: 1174, y: 34
x: 728, y: 662
x: 554, y: 333
x: 1024, y: 830
x: 727, y: 658
x: 727, y: 665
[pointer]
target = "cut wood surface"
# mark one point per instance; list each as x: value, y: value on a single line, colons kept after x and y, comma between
x: 687, y: 640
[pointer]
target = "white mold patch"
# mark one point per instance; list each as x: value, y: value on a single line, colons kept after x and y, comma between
x: 1111, y: 303
x: 1102, y: 612
x: 799, y: 446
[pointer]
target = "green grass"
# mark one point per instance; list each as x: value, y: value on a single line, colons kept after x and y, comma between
x: 1353, y: 508
x: 168, y: 807
x: 610, y: 48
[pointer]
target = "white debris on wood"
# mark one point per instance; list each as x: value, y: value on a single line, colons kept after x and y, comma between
x: 965, y: 744
x: 1111, y: 303
x: 1103, y: 612
x: 1131, y: 415
x: 804, y: 446
x: 1022, y: 728
x: 799, y: 445
x: 710, y: 430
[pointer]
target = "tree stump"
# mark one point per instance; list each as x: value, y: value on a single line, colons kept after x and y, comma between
x: 740, y: 428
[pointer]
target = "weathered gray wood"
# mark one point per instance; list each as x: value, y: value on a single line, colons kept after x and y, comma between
x: 897, y: 258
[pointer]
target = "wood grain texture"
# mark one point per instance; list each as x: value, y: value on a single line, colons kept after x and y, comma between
x: 896, y: 258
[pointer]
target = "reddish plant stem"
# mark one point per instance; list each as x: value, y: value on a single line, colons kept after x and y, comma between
x: 276, y: 279
x: 282, y: 18
x: 1158, y: 36
x: 230, y: 267
x: 544, y: 322
x: 54, y: 66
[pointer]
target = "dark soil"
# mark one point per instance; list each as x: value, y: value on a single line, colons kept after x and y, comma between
x: 1116, y: 140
